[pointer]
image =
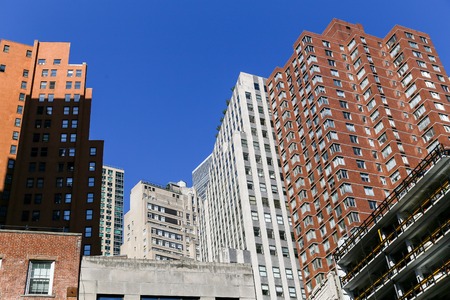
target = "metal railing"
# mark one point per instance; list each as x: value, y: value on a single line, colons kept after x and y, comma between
x: 398, y: 267
x: 419, y: 288
x: 395, y: 196
x: 423, y: 208
x: 33, y: 228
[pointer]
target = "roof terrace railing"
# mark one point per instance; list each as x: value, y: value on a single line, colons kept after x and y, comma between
x: 395, y: 196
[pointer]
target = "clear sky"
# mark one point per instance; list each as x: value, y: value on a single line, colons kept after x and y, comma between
x: 162, y: 70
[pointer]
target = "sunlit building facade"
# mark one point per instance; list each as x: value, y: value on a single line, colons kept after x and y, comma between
x: 244, y: 206
x: 161, y: 223
x: 111, y: 210
x: 353, y: 114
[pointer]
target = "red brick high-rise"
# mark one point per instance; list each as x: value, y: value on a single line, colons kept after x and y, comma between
x: 353, y: 114
x: 50, y: 172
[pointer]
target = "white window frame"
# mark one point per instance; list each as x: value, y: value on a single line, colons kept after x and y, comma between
x: 30, y: 277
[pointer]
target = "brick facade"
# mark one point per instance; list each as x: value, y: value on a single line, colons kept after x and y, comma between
x: 18, y: 248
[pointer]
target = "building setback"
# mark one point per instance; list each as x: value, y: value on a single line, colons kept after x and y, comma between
x: 161, y: 223
x: 111, y: 210
x: 353, y: 114
x: 50, y: 171
x: 244, y: 207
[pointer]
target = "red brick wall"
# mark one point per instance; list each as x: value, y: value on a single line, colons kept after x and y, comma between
x: 17, y: 248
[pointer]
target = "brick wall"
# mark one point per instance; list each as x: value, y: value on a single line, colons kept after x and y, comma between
x: 17, y: 248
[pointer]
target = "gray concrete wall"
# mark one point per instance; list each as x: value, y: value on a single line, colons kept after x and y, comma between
x: 138, y: 277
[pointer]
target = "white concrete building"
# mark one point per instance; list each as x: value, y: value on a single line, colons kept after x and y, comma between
x: 138, y: 279
x: 111, y: 210
x: 245, y: 206
x: 161, y: 223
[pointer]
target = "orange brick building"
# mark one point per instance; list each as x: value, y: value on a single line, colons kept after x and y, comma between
x: 353, y: 114
x: 39, y: 264
x: 50, y: 172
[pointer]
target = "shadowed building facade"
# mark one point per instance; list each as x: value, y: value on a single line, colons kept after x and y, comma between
x: 50, y: 172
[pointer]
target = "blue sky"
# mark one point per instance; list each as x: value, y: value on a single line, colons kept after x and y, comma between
x: 162, y: 70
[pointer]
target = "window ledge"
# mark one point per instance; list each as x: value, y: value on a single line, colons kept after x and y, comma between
x: 38, y: 296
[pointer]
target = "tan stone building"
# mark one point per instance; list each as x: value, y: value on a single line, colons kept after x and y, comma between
x: 161, y: 223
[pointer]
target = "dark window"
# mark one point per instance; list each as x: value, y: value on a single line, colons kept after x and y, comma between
x: 38, y: 199
x: 56, y: 215
x: 31, y: 167
x: 40, y: 183
x: 44, y: 151
x: 27, y: 199
x: 36, y: 137
x: 42, y: 167
x: 25, y: 216
x: 36, y: 215
x: 58, y: 198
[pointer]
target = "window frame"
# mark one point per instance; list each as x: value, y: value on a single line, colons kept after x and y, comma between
x: 30, y: 277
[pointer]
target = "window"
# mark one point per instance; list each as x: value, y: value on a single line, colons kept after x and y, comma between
x: 369, y: 191
x: 88, y: 231
x: 90, y: 197
x: 89, y: 213
x: 53, y: 72
x: 66, y: 216
x: 78, y: 73
x: 353, y: 217
x: 57, y: 61
x: 364, y: 177
x: 87, y: 250
x: 15, y: 135
x: 91, y: 181
x: 265, y: 289
x: 68, y: 84
x: 13, y: 149
x: 360, y: 164
x: 279, y: 290
x: 40, y: 277
x: 357, y: 151
x: 262, y: 271
x: 77, y: 85
x: 340, y: 93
